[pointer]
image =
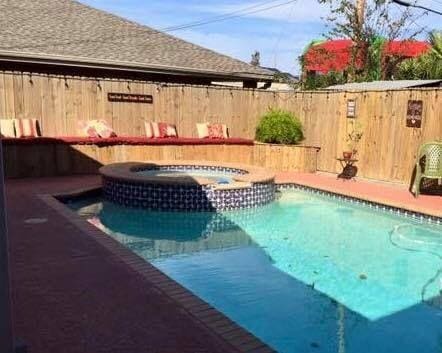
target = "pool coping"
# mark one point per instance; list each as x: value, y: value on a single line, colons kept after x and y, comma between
x: 212, y: 320
x: 125, y: 171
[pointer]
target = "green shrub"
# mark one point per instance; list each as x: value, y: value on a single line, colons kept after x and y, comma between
x: 279, y: 126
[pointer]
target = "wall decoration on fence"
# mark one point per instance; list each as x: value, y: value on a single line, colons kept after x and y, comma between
x: 130, y: 98
x: 414, y: 113
x: 351, y: 108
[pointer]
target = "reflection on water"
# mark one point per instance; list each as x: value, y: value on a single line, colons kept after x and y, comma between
x: 157, y: 234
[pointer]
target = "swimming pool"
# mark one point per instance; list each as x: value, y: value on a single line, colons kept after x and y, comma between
x: 305, y: 273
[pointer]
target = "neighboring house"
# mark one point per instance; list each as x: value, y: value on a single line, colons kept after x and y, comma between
x: 336, y: 55
x: 272, y: 86
x: 385, y: 85
x: 67, y: 37
x: 282, y: 81
x: 281, y: 76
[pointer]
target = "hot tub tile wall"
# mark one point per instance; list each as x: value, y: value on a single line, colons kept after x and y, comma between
x: 257, y: 195
x: 186, y: 197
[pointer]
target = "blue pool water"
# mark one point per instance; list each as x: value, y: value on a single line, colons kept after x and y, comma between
x: 217, y: 176
x: 306, y: 273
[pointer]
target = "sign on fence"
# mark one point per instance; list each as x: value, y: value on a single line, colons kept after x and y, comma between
x: 131, y: 98
x: 351, y: 108
x: 414, y: 113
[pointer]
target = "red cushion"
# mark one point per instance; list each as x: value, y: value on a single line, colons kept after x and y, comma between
x: 125, y: 141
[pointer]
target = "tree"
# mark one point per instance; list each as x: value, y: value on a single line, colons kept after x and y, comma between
x: 256, y: 57
x: 425, y: 67
x: 368, y: 25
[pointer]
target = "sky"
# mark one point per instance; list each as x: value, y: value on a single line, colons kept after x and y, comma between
x: 280, y: 34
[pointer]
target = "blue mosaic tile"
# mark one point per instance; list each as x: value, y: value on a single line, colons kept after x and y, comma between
x: 186, y: 197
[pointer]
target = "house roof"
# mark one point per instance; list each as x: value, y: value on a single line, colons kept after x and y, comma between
x: 66, y: 32
x: 334, y: 55
x: 385, y: 85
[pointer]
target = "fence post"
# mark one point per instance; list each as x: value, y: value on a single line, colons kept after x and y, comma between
x: 6, y: 333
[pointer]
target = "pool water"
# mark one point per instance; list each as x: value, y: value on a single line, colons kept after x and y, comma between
x: 306, y: 273
x: 216, y: 176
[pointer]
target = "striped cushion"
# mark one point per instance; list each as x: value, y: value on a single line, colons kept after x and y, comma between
x: 156, y: 130
x: 26, y: 128
x: 7, y: 128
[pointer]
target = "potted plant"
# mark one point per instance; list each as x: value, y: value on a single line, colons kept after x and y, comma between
x: 353, y: 139
x: 280, y: 127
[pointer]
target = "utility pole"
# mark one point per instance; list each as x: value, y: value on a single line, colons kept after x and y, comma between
x: 360, y: 6
x: 6, y: 333
x: 359, y: 47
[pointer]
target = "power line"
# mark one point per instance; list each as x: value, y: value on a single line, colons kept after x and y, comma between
x: 165, y: 29
x: 407, y: 4
x: 414, y: 21
x: 227, y: 17
x: 437, y: 1
x: 283, y: 27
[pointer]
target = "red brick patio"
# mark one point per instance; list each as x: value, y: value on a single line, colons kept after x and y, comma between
x: 73, y: 292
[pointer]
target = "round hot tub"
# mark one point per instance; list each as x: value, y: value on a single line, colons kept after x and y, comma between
x: 182, y: 186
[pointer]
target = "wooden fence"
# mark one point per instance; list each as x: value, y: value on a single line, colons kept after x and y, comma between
x: 387, y: 149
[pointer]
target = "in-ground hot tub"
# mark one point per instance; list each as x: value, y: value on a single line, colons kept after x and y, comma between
x: 187, y: 186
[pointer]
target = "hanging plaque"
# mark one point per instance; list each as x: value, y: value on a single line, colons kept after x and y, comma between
x: 130, y: 98
x: 414, y: 113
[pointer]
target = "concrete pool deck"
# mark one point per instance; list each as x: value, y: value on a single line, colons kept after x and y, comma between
x: 75, y: 291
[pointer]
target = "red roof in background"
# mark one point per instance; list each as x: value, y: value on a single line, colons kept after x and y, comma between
x: 334, y: 55
x: 408, y: 49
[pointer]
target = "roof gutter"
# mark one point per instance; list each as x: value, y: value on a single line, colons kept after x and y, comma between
x: 31, y: 58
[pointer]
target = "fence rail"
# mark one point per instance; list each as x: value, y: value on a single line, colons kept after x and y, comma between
x: 387, y: 150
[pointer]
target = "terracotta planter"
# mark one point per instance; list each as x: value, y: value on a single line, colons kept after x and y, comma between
x: 347, y: 154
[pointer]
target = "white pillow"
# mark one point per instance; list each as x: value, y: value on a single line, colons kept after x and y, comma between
x: 7, y: 128
x: 202, y: 129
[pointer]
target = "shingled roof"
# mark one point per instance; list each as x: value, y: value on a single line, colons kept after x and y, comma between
x: 68, y: 32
